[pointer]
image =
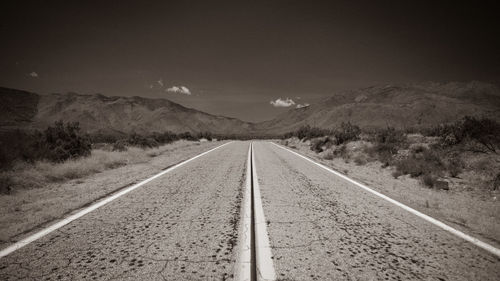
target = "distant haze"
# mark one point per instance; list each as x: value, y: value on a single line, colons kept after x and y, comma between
x: 233, y: 58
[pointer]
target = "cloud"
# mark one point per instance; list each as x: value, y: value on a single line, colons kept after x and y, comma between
x: 302, y: 105
x: 179, y: 89
x: 282, y: 102
x: 160, y: 82
x: 33, y: 74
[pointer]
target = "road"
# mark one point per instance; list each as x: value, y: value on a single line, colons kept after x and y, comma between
x: 187, y: 225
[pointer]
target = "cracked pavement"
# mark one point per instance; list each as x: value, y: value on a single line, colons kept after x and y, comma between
x: 185, y: 225
x: 181, y: 226
x: 324, y: 228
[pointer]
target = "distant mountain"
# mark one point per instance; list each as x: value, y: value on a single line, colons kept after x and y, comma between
x: 17, y: 108
x: 111, y: 115
x: 401, y: 106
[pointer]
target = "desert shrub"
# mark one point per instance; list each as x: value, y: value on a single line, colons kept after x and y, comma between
x: 288, y: 135
x: 360, y: 160
x: 391, y: 136
x: 187, y: 136
x: 413, y: 167
x: 482, y: 165
x: 329, y: 155
x: 60, y: 142
x: 429, y: 180
x: 142, y: 141
x: 6, y: 183
x: 120, y: 145
x: 421, y: 163
x: 418, y: 148
x: 454, y: 165
x: 396, y: 174
x: 341, y: 151
x: 104, y: 138
x: 14, y: 145
x: 347, y: 132
x: 387, y: 142
x: 318, y: 143
x: 165, y: 137
x: 496, y: 182
x: 307, y: 132
x: 204, y: 135
x: 483, y: 131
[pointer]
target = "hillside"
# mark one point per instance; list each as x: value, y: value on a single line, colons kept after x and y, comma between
x: 112, y: 115
x: 17, y: 108
x: 401, y: 106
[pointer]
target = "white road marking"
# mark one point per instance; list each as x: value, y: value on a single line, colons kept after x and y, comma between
x: 79, y: 214
x: 265, y: 266
x: 446, y: 227
x: 244, y: 264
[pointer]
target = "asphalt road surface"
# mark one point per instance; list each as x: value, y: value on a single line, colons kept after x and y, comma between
x: 185, y: 225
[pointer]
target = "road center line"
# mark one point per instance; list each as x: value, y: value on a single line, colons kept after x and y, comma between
x: 81, y: 213
x: 444, y: 226
x: 244, y: 264
x: 263, y: 256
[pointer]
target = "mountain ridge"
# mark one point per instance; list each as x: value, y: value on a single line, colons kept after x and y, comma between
x: 98, y: 113
x: 398, y: 105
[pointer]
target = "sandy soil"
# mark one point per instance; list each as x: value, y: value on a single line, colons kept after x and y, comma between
x: 464, y: 207
x: 26, y: 211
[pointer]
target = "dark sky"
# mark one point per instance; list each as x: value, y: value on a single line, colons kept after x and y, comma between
x: 235, y: 57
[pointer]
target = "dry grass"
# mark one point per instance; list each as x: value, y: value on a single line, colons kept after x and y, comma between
x: 26, y: 175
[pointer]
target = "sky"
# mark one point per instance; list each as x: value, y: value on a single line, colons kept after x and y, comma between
x: 246, y: 59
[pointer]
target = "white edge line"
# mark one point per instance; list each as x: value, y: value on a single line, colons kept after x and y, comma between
x: 65, y: 221
x: 263, y: 255
x: 244, y: 263
x: 444, y: 226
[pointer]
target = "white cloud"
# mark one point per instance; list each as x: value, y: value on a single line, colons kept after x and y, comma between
x: 185, y: 90
x: 179, y: 89
x: 302, y: 105
x: 33, y: 74
x: 282, y: 102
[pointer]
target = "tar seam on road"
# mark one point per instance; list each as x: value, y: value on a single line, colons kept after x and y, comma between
x: 253, y: 272
x: 255, y: 258
x: 81, y: 213
x: 432, y: 220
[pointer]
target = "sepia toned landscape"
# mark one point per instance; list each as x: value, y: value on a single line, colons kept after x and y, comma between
x: 250, y: 141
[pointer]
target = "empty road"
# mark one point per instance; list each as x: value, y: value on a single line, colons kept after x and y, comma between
x: 194, y: 221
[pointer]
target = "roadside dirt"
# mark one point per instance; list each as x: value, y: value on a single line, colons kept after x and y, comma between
x: 26, y: 211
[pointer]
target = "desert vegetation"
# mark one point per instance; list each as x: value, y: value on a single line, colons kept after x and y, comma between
x: 31, y: 159
x: 435, y: 155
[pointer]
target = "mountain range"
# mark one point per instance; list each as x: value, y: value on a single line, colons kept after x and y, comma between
x: 397, y: 105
